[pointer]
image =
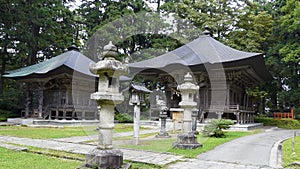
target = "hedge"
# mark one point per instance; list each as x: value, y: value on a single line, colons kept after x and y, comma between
x: 281, y: 123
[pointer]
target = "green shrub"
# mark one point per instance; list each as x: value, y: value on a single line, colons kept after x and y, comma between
x: 215, y: 128
x: 4, y: 114
x: 123, y: 118
x: 281, y: 123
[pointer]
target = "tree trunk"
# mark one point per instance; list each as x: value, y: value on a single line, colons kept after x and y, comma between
x: 2, y: 71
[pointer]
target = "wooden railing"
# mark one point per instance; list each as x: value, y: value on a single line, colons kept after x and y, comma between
x: 229, y: 108
x: 285, y: 115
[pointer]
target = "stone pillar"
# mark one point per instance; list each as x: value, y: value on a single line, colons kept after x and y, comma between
x: 106, y: 126
x: 136, y: 122
x: 163, y: 119
x: 187, y: 139
x: 109, y: 70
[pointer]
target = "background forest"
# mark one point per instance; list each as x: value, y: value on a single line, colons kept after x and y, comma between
x: 32, y: 31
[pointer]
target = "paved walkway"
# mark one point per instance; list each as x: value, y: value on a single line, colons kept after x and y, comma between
x: 80, y: 139
x: 133, y: 155
x: 250, y: 152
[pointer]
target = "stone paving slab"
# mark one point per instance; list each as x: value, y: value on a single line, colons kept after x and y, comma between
x: 132, y: 155
x: 12, y: 147
x: 80, y: 139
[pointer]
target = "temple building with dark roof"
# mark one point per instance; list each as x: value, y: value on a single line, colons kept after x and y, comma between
x: 224, y: 74
x: 59, y: 88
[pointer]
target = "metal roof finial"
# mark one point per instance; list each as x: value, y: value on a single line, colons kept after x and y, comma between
x: 206, y: 31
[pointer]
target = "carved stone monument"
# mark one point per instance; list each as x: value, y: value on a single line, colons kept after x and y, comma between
x: 187, y: 139
x: 109, y: 70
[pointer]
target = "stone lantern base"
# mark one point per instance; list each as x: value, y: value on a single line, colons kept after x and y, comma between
x: 163, y: 134
x: 187, y: 141
x: 104, y: 158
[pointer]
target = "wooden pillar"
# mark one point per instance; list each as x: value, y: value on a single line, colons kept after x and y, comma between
x: 242, y: 118
x: 27, y: 103
x: 83, y: 115
x: 41, y: 99
x: 64, y: 114
x: 238, y: 117
x: 96, y: 115
x: 73, y: 115
x: 56, y: 114
x: 219, y: 115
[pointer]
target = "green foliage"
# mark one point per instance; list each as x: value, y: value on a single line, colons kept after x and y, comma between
x: 165, y: 145
x: 281, y: 123
x: 4, y: 114
x: 218, y: 15
x: 11, y: 160
x: 44, y: 133
x: 284, y: 51
x: 215, y: 128
x: 123, y: 118
x: 288, y: 155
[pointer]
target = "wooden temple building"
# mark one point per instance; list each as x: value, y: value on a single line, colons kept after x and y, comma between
x: 59, y: 88
x: 223, y: 74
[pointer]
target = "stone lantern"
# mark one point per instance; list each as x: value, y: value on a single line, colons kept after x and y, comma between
x: 187, y: 139
x: 137, y: 99
x: 163, y: 120
x: 109, y: 70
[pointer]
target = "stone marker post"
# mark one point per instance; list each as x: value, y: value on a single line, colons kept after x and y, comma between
x: 187, y: 139
x: 109, y: 70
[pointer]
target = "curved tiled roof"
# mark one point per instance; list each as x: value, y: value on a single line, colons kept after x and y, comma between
x: 204, y: 49
x: 72, y: 59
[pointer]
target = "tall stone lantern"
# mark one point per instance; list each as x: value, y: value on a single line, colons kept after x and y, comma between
x: 187, y: 139
x: 108, y: 96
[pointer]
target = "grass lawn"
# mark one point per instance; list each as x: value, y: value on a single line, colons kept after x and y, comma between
x: 165, y: 145
x: 61, y: 132
x: 288, y: 156
x: 11, y: 160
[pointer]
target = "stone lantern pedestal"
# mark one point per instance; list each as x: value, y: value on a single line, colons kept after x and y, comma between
x: 187, y: 139
x: 108, y: 96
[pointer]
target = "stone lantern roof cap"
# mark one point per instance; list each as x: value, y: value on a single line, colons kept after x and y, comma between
x: 110, y: 50
x: 188, y: 77
x: 187, y: 85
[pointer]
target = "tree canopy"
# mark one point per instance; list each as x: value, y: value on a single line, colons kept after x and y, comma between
x: 32, y: 31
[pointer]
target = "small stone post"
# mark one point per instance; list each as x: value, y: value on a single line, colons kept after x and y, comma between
x: 163, y: 118
x: 187, y: 139
x: 109, y: 70
x: 136, y: 121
